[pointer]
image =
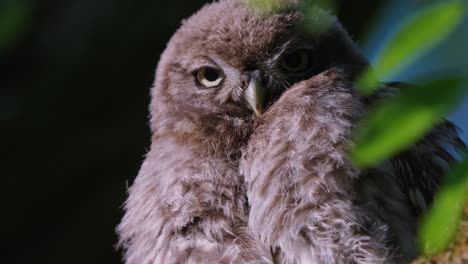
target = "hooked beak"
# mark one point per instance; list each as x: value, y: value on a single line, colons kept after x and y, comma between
x: 255, y: 96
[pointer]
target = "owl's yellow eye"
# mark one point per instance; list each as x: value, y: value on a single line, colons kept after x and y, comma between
x: 209, y: 77
x: 297, y: 61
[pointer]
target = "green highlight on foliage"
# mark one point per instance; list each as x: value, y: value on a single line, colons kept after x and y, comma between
x: 268, y: 6
x: 396, y: 123
x: 317, y: 13
x: 418, y: 35
x: 316, y: 19
x: 14, y: 16
x: 309, y: 7
x: 441, y: 223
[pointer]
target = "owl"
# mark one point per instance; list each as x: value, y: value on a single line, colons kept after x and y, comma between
x: 251, y: 115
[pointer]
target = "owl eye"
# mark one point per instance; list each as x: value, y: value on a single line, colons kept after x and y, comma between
x: 209, y: 77
x: 297, y: 61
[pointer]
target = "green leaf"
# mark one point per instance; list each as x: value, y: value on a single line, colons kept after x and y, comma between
x: 316, y: 19
x: 418, y: 35
x: 267, y: 6
x: 399, y: 121
x: 441, y: 222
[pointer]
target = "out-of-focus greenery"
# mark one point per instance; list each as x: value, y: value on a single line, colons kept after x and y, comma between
x: 265, y: 5
x: 317, y: 18
x: 441, y: 223
x: 400, y: 121
x: 14, y: 16
x: 271, y: 6
x: 418, y: 35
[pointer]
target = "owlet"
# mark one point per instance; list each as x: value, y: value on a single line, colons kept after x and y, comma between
x: 251, y: 115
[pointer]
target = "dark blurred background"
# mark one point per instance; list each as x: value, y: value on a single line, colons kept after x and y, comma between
x: 74, y: 88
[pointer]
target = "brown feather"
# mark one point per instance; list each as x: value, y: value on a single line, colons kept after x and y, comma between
x: 220, y: 185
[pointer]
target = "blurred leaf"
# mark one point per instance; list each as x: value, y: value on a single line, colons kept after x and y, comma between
x: 309, y: 7
x: 316, y: 18
x: 422, y: 32
x: 269, y: 6
x: 403, y: 119
x: 441, y: 222
x: 14, y: 16
x: 328, y: 6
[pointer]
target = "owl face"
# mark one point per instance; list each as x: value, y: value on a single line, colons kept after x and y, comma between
x: 231, y: 59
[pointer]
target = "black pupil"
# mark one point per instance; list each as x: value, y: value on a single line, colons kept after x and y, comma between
x: 294, y: 60
x: 211, y: 74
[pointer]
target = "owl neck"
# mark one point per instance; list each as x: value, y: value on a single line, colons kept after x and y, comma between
x: 221, y: 136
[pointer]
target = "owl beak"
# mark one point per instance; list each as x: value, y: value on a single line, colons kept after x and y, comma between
x: 255, y: 96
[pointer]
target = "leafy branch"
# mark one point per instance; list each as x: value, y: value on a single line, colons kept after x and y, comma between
x: 400, y: 121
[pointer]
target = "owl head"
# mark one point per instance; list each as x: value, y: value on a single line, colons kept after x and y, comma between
x: 232, y: 59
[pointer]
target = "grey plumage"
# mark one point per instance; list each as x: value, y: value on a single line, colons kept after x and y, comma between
x: 222, y: 185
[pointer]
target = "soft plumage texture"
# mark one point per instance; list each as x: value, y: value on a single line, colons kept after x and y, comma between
x: 301, y: 183
x: 309, y: 204
x: 220, y: 185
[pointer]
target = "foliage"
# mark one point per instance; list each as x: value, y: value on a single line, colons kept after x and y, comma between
x: 14, y: 16
x: 441, y: 223
x: 397, y: 123
x: 418, y: 35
